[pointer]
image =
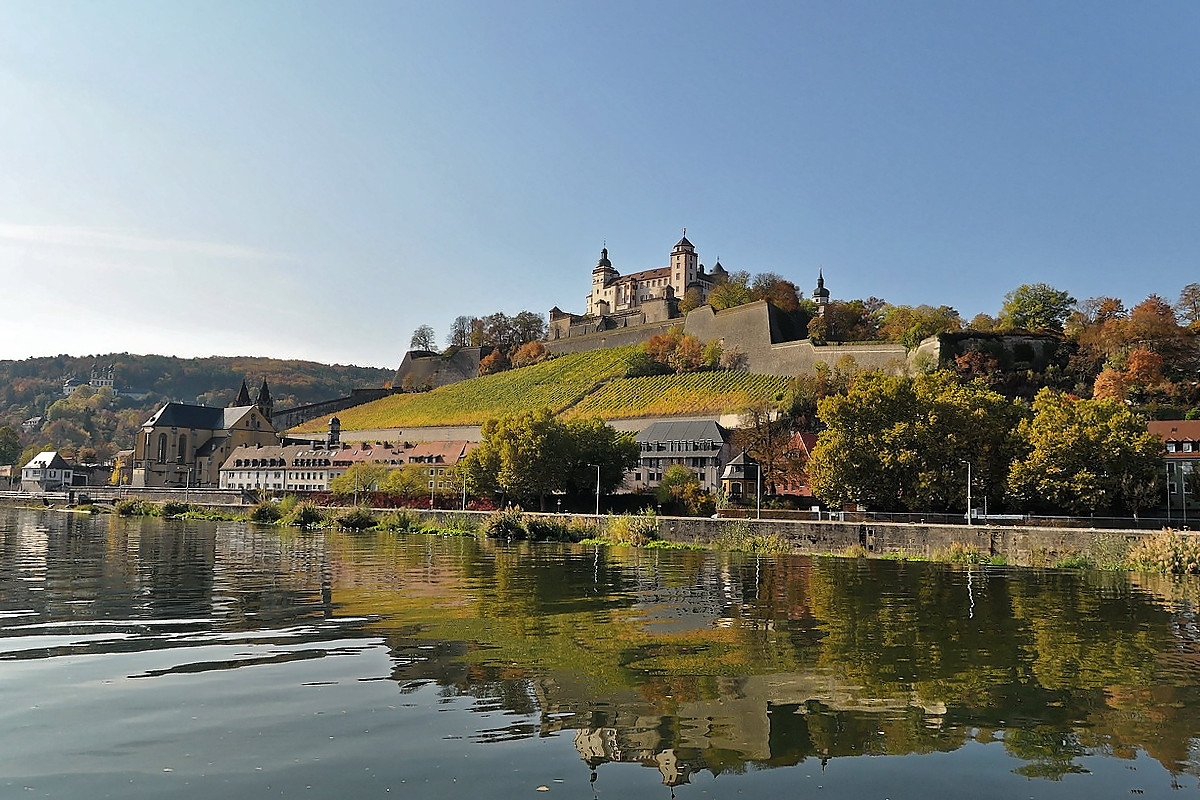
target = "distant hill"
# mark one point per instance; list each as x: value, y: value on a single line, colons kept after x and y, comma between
x: 580, y: 384
x: 96, y: 423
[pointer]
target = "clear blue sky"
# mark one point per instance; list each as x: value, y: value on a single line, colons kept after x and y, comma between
x: 315, y: 180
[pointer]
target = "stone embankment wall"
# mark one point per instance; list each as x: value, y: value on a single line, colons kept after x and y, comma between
x: 1026, y: 546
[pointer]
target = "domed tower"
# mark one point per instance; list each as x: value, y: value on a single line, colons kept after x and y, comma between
x: 820, y: 294
x: 685, y: 265
x: 602, y: 275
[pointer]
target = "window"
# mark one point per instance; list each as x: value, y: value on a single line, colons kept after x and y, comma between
x: 162, y: 447
x: 1170, y: 447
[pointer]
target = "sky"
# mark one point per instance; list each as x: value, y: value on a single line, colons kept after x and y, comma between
x: 316, y: 180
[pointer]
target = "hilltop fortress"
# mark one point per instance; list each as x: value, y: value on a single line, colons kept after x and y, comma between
x: 628, y: 309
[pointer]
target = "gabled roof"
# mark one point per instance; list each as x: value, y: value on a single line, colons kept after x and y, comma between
x: 47, y: 459
x: 693, y: 430
x: 1175, y: 430
x: 183, y: 415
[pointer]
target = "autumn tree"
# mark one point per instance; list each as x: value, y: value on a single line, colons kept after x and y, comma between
x: 1036, y: 306
x: 493, y: 362
x: 534, y: 352
x: 899, y: 443
x: 1082, y: 456
x: 461, y: 330
x: 764, y: 432
x: 1188, y: 307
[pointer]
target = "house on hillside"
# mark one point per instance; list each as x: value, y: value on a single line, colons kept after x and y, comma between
x: 1181, y: 456
x: 700, y: 445
x: 47, y: 472
x: 185, y: 445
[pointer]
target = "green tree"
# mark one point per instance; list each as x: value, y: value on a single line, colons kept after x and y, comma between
x: 422, y: 339
x: 10, y: 445
x: 734, y: 291
x: 1036, y: 306
x: 528, y: 455
x: 910, y: 325
x: 896, y: 442
x: 1083, y: 455
x: 410, y: 480
x: 361, y: 476
x: 675, y: 480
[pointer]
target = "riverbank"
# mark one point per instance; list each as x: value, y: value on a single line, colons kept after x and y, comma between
x: 1018, y: 546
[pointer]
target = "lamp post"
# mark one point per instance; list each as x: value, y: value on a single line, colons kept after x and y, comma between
x: 968, y: 463
x: 597, y: 466
x: 757, y: 490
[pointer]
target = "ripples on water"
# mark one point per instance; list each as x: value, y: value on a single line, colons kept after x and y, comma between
x: 152, y: 658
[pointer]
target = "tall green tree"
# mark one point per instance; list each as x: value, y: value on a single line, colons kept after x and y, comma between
x: 528, y: 455
x: 899, y: 443
x: 1083, y: 456
x: 1036, y: 306
x: 10, y: 445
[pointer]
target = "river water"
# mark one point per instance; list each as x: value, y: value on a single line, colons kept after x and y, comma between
x: 149, y: 658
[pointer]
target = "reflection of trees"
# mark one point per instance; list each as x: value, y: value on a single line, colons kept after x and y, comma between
x: 726, y: 660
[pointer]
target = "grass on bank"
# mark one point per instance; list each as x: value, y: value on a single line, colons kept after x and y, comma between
x: 1169, y: 552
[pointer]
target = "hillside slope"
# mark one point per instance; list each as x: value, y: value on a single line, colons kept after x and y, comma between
x: 590, y: 384
x: 102, y: 422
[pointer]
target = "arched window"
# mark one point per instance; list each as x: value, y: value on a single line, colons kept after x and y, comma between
x: 181, y: 453
x: 162, y: 447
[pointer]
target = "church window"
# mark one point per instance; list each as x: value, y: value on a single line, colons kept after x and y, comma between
x: 162, y: 447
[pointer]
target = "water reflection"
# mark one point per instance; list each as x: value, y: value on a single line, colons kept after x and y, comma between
x: 689, y: 663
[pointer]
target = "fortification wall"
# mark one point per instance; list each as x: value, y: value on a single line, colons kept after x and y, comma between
x: 754, y: 328
x: 600, y: 340
x: 291, y: 417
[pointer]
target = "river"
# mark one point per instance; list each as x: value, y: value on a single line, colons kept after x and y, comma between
x: 150, y: 658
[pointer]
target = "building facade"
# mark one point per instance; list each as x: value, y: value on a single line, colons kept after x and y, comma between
x: 47, y: 472
x: 185, y: 445
x: 700, y: 445
x: 1181, y: 456
x: 640, y: 298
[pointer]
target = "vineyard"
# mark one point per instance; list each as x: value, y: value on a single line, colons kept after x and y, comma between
x: 669, y: 395
x: 554, y: 384
x: 579, y: 385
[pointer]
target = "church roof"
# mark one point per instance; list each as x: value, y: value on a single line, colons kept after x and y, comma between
x: 183, y: 415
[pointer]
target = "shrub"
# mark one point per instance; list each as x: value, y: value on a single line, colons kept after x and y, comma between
x: 738, y: 536
x: 402, y: 519
x: 133, y: 507
x: 1168, y: 552
x: 265, y: 511
x: 304, y: 515
x: 507, y: 523
x: 173, y: 508
x: 855, y: 551
x: 461, y: 523
x: 959, y: 553
x: 1075, y: 561
x: 634, y: 529
x: 355, y: 518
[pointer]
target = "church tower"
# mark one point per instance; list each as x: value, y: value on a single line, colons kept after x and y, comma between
x: 264, y: 402
x: 820, y: 295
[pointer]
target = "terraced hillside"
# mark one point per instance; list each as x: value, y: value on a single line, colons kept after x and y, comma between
x: 581, y: 384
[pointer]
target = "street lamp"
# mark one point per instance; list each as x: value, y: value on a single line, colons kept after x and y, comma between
x: 968, y: 463
x: 597, y: 466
